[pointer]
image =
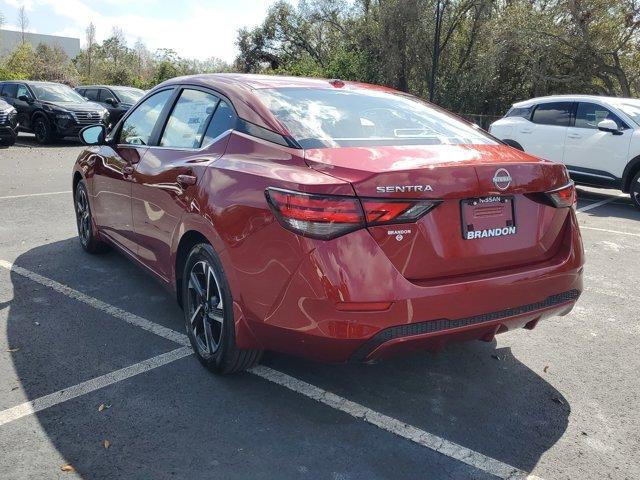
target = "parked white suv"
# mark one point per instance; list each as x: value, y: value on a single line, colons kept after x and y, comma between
x: 597, y: 138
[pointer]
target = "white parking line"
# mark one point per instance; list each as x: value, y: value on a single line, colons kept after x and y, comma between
x: 404, y: 430
x: 389, y: 424
x: 591, y: 206
x: 35, y: 195
x: 92, y: 385
x: 582, y: 227
x: 130, y: 318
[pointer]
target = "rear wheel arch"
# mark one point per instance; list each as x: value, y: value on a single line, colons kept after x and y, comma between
x: 187, y: 241
x: 77, y: 177
x: 630, y: 171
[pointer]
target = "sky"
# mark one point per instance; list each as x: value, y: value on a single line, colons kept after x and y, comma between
x: 194, y: 28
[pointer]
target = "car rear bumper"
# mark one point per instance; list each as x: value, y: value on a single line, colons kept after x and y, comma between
x: 317, y: 314
x: 434, y: 334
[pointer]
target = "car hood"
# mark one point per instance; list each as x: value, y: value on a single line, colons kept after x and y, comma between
x: 75, y: 106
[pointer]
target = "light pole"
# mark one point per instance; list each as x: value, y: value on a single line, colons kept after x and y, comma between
x: 436, y: 49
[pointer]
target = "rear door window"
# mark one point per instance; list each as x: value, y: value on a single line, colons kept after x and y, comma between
x: 189, y: 119
x: 554, y: 113
x: 588, y: 115
x: 223, y: 119
x: 9, y: 90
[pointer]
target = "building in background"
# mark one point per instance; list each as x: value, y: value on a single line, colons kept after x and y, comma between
x: 10, y: 39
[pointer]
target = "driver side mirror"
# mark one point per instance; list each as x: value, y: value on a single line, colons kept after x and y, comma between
x: 25, y: 98
x: 608, y: 125
x: 111, y: 101
x: 93, y: 135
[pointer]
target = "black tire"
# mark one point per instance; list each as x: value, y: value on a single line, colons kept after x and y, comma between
x: 43, y: 131
x: 208, y: 314
x: 634, y: 190
x: 84, y: 221
x: 7, y: 141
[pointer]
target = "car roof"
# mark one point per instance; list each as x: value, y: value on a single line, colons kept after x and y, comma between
x: 255, y: 81
x: 570, y: 98
x: 240, y: 89
x: 108, y: 86
x: 32, y: 82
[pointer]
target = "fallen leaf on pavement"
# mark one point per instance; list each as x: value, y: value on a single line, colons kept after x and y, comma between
x: 103, y: 406
x: 546, y: 367
x: 12, y: 350
x: 106, y: 444
x: 67, y: 467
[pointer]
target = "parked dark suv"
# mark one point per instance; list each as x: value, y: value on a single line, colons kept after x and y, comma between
x: 8, y: 124
x: 117, y: 100
x: 51, y: 110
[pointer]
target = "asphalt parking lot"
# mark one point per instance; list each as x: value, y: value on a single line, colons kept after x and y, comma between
x: 95, y: 378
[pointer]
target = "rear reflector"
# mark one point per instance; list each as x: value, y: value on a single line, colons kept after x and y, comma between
x: 363, y: 306
x: 563, y: 196
x: 329, y: 216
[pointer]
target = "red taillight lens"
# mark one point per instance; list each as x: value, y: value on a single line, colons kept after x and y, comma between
x: 378, y: 212
x: 329, y: 216
x: 563, y: 196
x: 316, y: 216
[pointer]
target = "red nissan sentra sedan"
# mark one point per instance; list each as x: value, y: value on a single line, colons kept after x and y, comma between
x: 329, y: 219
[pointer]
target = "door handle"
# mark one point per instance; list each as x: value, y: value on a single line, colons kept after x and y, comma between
x: 187, y: 180
x: 526, y: 130
x: 127, y: 170
x: 574, y: 135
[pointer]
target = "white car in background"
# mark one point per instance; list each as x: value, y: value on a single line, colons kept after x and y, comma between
x: 597, y: 138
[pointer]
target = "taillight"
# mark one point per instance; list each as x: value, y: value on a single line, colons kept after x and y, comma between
x: 563, y: 196
x: 378, y: 212
x: 316, y: 216
x: 329, y: 216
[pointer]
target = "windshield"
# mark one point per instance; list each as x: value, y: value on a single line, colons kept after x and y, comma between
x: 319, y: 118
x: 631, y: 108
x: 56, y: 93
x: 128, y: 95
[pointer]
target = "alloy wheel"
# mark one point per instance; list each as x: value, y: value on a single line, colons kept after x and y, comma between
x: 635, y: 191
x: 40, y: 131
x: 83, y: 216
x: 205, y: 307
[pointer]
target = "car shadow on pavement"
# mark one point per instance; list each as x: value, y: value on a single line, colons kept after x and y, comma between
x: 474, y: 394
x: 620, y: 207
x: 25, y: 140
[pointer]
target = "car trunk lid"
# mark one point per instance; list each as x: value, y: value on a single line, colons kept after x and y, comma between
x: 491, y: 189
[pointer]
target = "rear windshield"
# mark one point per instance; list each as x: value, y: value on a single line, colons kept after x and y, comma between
x: 320, y: 118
